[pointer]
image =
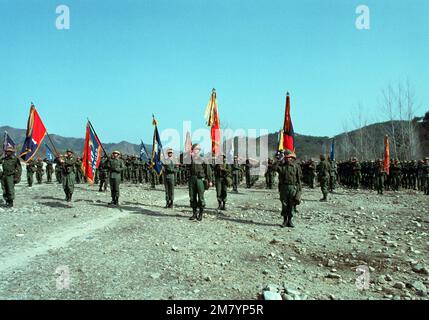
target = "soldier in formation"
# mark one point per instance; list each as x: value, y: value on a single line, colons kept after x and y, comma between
x: 199, y: 173
x: 49, y: 170
x: 323, y: 173
x: 115, y: 166
x: 10, y: 174
x: 39, y: 170
x: 31, y: 169
x: 289, y: 185
x: 169, y: 171
x: 269, y: 174
x: 58, y: 170
x: 236, y: 172
x: 68, y: 164
x: 380, y: 177
x: 222, y: 178
x: 332, y: 175
x: 103, y: 173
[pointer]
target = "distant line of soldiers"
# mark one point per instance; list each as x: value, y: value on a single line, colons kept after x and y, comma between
x: 200, y: 174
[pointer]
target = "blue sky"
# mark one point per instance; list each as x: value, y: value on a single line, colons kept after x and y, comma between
x: 123, y: 60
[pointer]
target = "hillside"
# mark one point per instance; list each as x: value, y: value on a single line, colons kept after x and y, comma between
x: 365, y: 143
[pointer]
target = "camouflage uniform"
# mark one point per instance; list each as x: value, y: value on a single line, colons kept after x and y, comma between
x: 103, y: 173
x: 39, y: 171
x: 115, y: 166
x: 68, y: 174
x: 31, y: 168
x: 169, y: 172
x: 323, y: 173
x: 269, y: 175
x: 333, y: 175
x: 289, y: 185
x: 199, y: 173
x: 10, y: 174
x: 222, y: 177
x: 236, y: 170
x: 380, y: 177
x: 49, y: 170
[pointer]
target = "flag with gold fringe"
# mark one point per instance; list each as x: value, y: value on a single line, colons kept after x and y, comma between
x: 212, y: 118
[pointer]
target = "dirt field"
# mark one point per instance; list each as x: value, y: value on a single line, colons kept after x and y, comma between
x: 87, y: 250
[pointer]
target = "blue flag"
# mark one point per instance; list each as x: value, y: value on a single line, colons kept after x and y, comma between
x: 156, y: 149
x: 144, y: 156
x: 332, y: 155
x: 8, y: 142
x: 49, y: 153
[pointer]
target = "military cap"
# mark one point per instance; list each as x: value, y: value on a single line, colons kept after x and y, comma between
x: 116, y: 151
x: 170, y: 150
x: 426, y: 158
x: 10, y: 149
x: 69, y: 150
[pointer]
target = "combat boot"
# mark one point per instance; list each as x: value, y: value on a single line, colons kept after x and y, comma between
x: 70, y: 197
x: 200, y: 214
x: 285, y: 222
x: 113, y: 202
x: 194, y: 214
x: 167, y: 205
x: 290, y: 223
x: 324, y: 199
x: 223, y: 206
x: 9, y: 204
x: 219, y: 207
x: 171, y: 204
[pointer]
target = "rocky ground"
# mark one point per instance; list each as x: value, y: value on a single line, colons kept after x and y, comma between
x: 88, y: 250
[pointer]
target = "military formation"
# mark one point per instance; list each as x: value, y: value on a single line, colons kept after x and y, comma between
x: 200, y: 173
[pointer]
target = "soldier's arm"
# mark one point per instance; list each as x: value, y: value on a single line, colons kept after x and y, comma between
x: 18, y: 167
x: 208, y: 172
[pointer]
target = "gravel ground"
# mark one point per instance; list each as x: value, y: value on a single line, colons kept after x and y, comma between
x: 143, y: 251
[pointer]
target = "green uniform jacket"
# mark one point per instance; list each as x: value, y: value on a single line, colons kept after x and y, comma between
x: 115, y: 167
x: 11, y: 167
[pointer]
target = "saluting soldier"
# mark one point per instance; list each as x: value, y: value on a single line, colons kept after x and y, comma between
x: 199, y: 172
x: 10, y: 174
x: 169, y: 171
x: 115, y: 167
x: 68, y: 164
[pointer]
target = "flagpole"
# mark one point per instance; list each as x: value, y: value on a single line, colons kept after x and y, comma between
x: 55, y: 149
x: 90, y: 124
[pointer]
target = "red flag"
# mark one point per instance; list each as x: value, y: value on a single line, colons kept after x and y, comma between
x: 386, y: 155
x: 212, y: 118
x: 36, y: 132
x: 91, y: 154
x: 288, y: 133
